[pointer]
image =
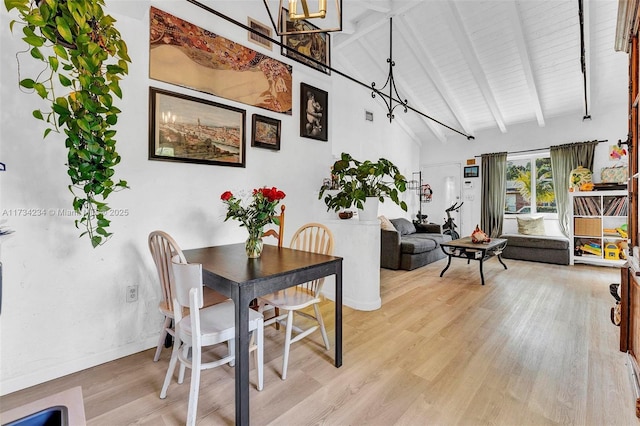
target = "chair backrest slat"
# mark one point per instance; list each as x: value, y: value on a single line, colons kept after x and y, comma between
x: 279, y: 234
x: 314, y: 238
x: 163, y: 247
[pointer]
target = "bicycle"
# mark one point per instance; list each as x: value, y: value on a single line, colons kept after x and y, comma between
x: 449, y: 227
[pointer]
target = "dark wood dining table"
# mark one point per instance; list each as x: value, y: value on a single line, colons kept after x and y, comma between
x: 229, y: 271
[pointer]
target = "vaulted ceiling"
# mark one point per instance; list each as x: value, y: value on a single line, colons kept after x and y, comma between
x: 484, y: 64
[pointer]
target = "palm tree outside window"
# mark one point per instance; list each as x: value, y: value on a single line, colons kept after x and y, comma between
x: 529, y: 188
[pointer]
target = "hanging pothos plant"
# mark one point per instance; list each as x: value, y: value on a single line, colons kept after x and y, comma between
x: 83, y: 55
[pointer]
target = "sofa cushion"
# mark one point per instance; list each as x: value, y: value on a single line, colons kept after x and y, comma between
x: 404, y: 226
x: 386, y: 224
x: 419, y: 243
x: 537, y: 241
x: 530, y: 225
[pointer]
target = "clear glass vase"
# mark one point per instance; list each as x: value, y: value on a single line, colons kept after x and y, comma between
x: 253, y: 245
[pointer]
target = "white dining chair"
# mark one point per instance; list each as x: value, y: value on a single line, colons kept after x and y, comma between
x: 204, y: 327
x: 163, y: 247
x: 312, y: 237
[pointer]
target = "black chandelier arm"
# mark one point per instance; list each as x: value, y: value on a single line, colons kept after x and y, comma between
x: 469, y: 137
x: 273, y: 23
x: 390, y: 79
x: 334, y: 70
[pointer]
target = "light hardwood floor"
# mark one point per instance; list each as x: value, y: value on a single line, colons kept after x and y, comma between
x: 534, y: 346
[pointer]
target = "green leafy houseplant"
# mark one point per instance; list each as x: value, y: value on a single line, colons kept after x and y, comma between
x: 358, y: 180
x: 84, y: 55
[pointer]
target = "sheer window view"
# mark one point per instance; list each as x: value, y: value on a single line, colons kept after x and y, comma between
x: 529, y: 192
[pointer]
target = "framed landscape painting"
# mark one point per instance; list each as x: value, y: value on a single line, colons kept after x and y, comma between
x: 188, y: 129
x: 314, y: 45
x: 314, y: 105
x: 265, y: 132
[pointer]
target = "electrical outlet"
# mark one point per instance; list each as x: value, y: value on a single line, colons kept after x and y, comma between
x: 132, y: 293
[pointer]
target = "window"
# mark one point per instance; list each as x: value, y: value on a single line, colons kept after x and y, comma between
x: 530, y: 192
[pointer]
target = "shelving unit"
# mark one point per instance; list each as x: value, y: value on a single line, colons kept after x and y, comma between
x: 597, y: 218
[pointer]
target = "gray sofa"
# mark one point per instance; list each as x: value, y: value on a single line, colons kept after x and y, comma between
x: 408, y: 247
x: 537, y: 248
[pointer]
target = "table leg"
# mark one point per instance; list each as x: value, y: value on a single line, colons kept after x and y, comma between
x: 481, y: 273
x: 338, y: 319
x: 500, y: 259
x: 448, y: 264
x: 242, y: 356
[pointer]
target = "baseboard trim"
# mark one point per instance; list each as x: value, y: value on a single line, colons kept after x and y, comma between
x: 59, y: 370
x: 359, y: 305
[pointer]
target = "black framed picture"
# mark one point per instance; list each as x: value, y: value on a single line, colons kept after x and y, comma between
x: 314, y: 45
x: 313, y: 113
x: 471, y: 171
x: 265, y: 132
x: 188, y: 129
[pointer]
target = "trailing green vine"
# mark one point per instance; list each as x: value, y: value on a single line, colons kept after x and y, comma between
x: 84, y: 54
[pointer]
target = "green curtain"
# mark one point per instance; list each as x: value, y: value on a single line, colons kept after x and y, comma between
x: 565, y: 158
x: 494, y: 185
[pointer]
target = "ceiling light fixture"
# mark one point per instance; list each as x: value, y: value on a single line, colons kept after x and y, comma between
x: 289, y: 21
x: 390, y: 82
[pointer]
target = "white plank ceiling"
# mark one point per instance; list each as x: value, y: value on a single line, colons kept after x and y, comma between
x: 483, y: 64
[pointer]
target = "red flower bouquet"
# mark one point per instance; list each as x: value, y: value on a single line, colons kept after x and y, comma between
x: 260, y: 212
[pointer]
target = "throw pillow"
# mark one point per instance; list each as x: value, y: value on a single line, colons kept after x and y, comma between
x: 531, y: 225
x: 385, y: 224
x: 404, y: 226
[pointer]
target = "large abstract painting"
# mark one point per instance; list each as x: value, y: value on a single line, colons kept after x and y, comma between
x: 186, y: 55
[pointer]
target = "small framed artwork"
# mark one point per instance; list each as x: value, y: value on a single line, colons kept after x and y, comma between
x: 188, y: 129
x: 265, y: 132
x: 313, y: 113
x: 312, y: 45
x: 472, y: 171
x: 261, y: 28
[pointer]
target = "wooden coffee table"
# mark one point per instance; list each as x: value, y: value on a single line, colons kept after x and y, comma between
x: 466, y: 249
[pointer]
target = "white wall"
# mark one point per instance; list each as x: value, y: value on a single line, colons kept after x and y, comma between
x: 609, y: 122
x: 64, y: 304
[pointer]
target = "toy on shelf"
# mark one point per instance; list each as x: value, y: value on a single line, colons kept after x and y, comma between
x: 622, y: 231
x: 623, y: 246
x: 611, y: 251
x: 592, y: 248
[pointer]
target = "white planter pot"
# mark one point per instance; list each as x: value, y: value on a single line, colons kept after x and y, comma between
x: 370, y: 211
